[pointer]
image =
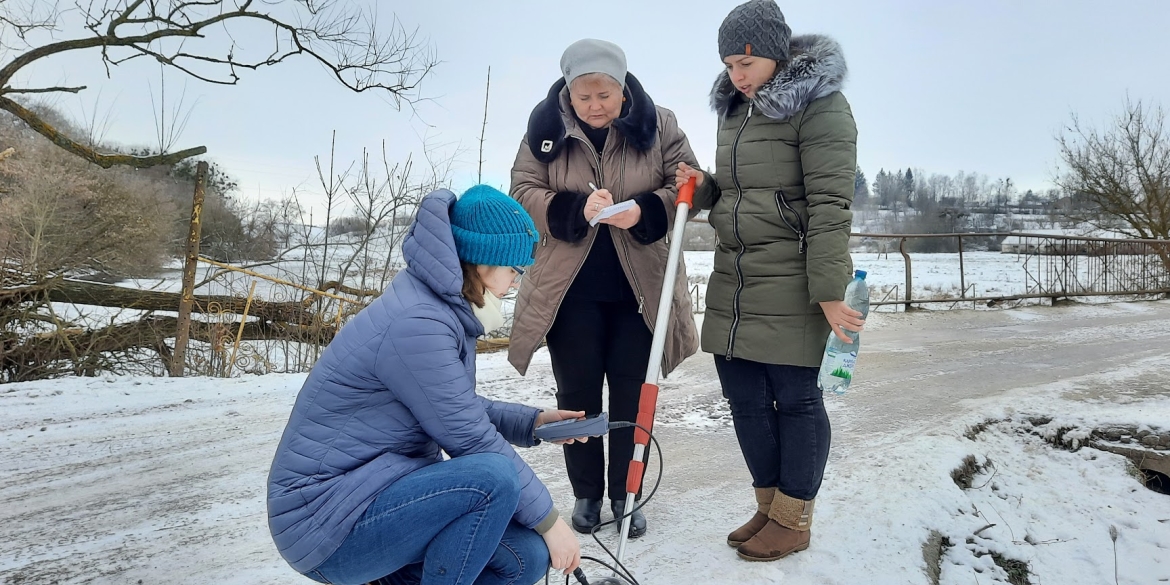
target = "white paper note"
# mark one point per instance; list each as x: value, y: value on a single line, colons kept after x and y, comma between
x: 612, y: 210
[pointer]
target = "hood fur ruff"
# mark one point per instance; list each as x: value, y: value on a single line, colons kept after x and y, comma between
x: 815, y: 70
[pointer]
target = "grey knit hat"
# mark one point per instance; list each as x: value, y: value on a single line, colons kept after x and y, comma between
x: 755, y: 28
x: 593, y: 56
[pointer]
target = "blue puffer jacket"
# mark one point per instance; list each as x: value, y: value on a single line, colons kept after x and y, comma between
x: 394, y: 387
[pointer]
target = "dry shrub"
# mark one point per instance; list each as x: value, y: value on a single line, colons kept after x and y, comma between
x: 59, y: 214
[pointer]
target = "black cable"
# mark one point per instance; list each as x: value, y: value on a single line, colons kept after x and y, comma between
x: 621, y: 571
x: 610, y: 567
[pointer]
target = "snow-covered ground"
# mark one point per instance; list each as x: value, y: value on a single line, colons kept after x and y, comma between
x: 141, y: 480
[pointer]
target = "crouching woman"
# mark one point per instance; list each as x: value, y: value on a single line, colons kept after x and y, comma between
x: 359, y: 490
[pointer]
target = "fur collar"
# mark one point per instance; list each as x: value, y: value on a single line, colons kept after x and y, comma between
x: 547, y: 126
x: 816, y: 69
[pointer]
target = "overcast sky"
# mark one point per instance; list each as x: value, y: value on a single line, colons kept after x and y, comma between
x: 942, y: 86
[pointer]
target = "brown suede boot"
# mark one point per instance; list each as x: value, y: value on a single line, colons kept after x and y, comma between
x: 741, y: 535
x: 787, y: 530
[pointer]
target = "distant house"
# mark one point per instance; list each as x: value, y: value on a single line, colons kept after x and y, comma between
x: 1018, y: 245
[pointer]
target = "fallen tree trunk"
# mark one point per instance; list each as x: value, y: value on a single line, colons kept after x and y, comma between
x: 150, y: 332
x: 79, y: 351
x: 102, y: 295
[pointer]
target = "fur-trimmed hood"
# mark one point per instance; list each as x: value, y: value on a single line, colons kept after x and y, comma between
x: 547, y: 125
x: 815, y: 70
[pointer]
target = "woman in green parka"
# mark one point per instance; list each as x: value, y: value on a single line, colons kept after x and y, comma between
x: 779, y: 201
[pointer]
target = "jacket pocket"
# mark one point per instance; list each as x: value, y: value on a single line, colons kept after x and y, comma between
x: 544, y: 252
x: 796, y: 224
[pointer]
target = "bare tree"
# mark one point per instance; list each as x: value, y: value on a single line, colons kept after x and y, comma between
x: 383, y: 200
x: 972, y: 187
x: 378, y: 201
x: 483, y: 129
x: 944, y: 189
x: 95, y: 124
x: 169, y: 123
x: 62, y: 216
x: 1122, y: 169
x: 196, y: 38
x: 334, y: 185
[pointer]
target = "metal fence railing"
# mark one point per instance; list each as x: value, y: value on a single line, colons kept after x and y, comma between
x: 1054, y: 266
x: 284, y: 326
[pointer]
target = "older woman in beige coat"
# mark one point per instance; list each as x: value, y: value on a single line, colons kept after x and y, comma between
x: 595, y: 141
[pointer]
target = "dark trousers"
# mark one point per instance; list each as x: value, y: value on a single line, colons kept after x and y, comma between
x: 781, y: 423
x: 591, y: 342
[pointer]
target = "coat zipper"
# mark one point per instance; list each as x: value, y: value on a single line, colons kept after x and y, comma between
x: 735, y: 230
x: 637, y: 289
x: 801, y: 234
x: 626, y: 247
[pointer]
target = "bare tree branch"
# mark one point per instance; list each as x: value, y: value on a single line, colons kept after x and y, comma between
x: 8, y: 90
x: 25, y: 18
x: 195, y: 38
x: 483, y: 129
x: 87, y: 153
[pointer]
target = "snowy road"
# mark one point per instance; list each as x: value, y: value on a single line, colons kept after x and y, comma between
x: 161, y: 481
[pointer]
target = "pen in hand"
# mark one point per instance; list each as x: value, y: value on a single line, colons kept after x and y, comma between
x: 596, y: 208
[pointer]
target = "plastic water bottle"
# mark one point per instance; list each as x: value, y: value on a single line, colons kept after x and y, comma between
x: 840, y: 357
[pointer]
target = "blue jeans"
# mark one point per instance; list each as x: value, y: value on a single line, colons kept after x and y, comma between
x: 446, y: 524
x: 781, y: 423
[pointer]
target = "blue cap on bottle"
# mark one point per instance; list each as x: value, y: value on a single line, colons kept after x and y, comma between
x: 859, y: 274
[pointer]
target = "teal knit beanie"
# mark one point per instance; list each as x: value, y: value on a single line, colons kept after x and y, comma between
x: 492, y: 229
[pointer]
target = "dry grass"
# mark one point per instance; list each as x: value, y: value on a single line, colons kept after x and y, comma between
x: 965, y: 473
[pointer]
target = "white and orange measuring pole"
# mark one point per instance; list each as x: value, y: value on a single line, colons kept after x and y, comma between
x: 648, y: 401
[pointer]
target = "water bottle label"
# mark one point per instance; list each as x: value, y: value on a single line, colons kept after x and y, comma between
x: 843, y: 364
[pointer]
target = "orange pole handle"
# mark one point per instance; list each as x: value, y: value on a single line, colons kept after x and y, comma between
x: 647, y: 403
x: 686, y: 193
x: 634, y: 477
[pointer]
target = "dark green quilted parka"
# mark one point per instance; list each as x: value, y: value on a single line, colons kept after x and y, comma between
x: 779, y: 202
